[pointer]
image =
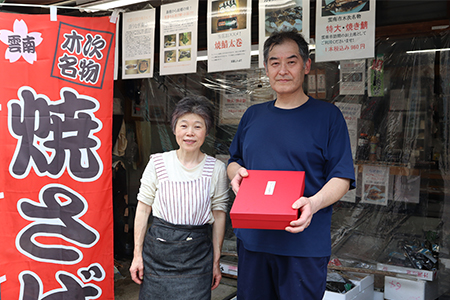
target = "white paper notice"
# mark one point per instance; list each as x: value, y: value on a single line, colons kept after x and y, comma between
x: 282, y: 15
x: 351, y: 113
x: 375, y: 185
x: 178, y: 50
x: 138, y: 39
x: 229, y: 35
x: 345, y: 29
x: 352, y: 77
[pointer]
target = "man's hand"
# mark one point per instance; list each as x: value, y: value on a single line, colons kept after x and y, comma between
x: 306, y: 210
x: 237, y: 179
x: 137, y: 270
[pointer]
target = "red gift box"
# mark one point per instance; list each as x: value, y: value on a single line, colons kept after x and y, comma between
x: 265, y: 198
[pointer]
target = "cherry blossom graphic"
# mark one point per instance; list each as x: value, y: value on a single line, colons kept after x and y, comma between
x: 21, y: 43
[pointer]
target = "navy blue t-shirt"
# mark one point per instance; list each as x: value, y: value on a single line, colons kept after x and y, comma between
x: 312, y: 138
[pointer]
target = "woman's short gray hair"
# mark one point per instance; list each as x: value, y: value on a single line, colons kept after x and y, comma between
x: 198, y: 105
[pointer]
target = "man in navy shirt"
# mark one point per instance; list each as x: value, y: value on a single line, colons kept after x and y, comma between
x: 295, y: 132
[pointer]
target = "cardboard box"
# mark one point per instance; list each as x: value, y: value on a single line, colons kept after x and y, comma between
x: 363, y: 290
x: 420, y: 274
x: 396, y: 288
x: 265, y: 199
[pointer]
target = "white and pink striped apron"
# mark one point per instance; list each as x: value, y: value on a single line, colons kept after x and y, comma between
x: 178, y: 254
x: 185, y: 202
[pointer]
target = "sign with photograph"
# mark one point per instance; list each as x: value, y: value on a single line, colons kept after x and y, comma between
x: 178, y: 38
x: 375, y: 185
x: 56, y: 229
x: 352, y: 77
x: 138, y: 40
x: 282, y: 15
x: 229, y: 35
x: 345, y: 29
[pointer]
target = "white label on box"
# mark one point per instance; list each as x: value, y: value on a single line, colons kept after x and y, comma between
x: 270, y: 187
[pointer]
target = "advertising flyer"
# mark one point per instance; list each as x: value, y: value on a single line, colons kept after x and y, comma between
x: 234, y: 102
x: 352, y: 75
x: 375, y: 185
x: 282, y: 15
x: 229, y: 35
x: 138, y: 40
x: 345, y: 29
x: 178, y: 38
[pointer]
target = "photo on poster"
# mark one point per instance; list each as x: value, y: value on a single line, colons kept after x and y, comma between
x: 226, y: 16
x: 185, y: 39
x: 170, y: 40
x: 282, y: 15
x: 341, y: 7
x: 184, y: 54
x: 288, y: 17
x: 170, y: 56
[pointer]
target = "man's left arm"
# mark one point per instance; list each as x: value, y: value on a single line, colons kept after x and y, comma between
x: 330, y: 193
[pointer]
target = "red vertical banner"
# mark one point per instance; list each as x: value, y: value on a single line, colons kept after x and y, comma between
x: 56, y: 92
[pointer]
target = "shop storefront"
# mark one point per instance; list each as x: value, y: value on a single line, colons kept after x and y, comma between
x: 397, y: 109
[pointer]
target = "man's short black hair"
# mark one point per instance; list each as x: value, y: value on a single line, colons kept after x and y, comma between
x: 278, y: 38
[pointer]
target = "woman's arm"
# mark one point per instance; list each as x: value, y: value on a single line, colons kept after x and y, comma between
x: 140, y: 228
x: 218, y: 233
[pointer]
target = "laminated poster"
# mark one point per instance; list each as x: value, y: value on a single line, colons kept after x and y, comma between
x: 235, y: 101
x: 351, y: 113
x: 375, y: 185
x: 345, y: 29
x: 229, y: 35
x: 178, y: 38
x: 282, y: 15
x: 138, y: 40
x: 352, y: 77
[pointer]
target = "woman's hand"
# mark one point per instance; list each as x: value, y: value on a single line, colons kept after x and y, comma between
x: 217, y: 275
x: 137, y: 269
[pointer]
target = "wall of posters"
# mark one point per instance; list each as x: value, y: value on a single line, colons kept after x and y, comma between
x: 345, y: 29
x: 138, y: 44
x: 282, y: 15
x: 178, y: 38
x: 229, y: 35
x: 56, y: 229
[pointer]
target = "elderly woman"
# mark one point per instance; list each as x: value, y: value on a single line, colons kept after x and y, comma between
x: 187, y: 192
